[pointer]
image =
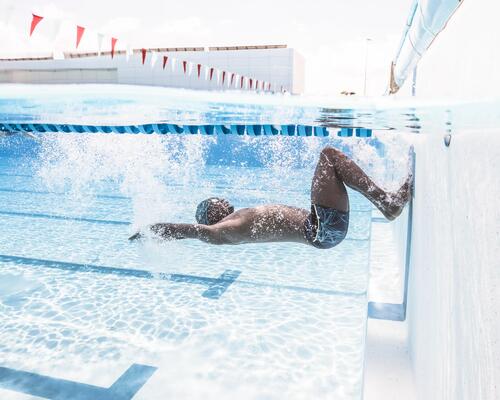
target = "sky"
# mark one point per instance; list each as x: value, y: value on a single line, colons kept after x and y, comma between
x: 331, y: 34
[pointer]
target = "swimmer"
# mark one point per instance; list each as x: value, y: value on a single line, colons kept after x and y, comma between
x: 324, y: 227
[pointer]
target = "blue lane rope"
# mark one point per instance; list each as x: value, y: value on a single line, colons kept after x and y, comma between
x: 250, y: 130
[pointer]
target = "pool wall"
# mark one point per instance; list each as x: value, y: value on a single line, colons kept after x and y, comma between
x: 455, y: 280
x: 453, y: 315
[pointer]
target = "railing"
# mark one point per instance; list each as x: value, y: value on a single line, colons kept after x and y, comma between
x: 426, y: 20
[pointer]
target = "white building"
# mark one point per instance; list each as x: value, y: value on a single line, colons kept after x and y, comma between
x: 274, y: 68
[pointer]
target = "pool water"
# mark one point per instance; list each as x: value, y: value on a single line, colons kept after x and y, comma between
x: 79, y: 303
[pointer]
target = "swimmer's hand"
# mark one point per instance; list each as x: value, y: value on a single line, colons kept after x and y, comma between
x: 136, y: 236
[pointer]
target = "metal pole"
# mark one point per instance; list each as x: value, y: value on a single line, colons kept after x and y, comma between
x: 366, y: 64
x: 414, y: 82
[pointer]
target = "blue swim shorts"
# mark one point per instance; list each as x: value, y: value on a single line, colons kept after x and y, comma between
x: 326, y: 227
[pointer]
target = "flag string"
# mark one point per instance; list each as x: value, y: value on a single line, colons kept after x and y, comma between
x: 245, y: 82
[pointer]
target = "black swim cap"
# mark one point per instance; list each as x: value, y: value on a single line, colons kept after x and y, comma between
x: 205, y: 211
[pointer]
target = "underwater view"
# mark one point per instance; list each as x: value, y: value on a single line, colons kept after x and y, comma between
x: 253, y: 321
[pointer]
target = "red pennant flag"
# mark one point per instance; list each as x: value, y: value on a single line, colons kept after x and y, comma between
x: 232, y: 79
x: 223, y: 76
x: 241, y: 82
x: 113, y: 44
x: 199, y: 70
x: 79, y: 34
x: 143, y: 52
x: 34, y: 22
x: 184, y: 66
x: 211, y: 73
x: 251, y: 83
x: 165, y: 61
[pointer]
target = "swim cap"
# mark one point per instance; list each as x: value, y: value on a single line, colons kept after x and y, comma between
x: 203, y: 214
x: 202, y: 210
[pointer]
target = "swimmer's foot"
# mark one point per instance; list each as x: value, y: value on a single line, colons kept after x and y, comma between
x: 396, y: 201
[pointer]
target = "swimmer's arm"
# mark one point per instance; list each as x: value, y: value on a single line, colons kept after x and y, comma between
x: 168, y: 231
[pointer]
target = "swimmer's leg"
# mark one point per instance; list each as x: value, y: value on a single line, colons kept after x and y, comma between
x: 327, y: 188
x: 334, y: 166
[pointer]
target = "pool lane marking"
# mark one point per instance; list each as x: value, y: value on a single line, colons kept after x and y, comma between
x: 17, y: 175
x: 215, y: 285
x: 102, y: 196
x: 216, y: 290
x: 62, y: 218
x: 129, y: 383
x: 124, y: 388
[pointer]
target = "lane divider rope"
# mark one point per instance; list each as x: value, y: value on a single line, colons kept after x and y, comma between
x: 165, y: 128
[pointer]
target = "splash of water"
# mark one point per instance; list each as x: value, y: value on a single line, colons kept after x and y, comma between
x: 146, y: 168
x: 140, y: 166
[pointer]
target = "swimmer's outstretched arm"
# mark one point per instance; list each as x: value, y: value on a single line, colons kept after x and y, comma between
x: 169, y: 231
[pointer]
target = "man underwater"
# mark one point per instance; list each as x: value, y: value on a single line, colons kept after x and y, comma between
x: 324, y: 227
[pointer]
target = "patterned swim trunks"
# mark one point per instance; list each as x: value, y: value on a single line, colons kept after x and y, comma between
x: 326, y: 227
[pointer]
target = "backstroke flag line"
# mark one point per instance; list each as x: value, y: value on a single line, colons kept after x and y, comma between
x: 79, y: 33
x: 113, y: 44
x: 222, y: 77
x: 34, y: 22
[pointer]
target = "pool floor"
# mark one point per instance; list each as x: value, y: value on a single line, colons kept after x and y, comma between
x: 85, y: 311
